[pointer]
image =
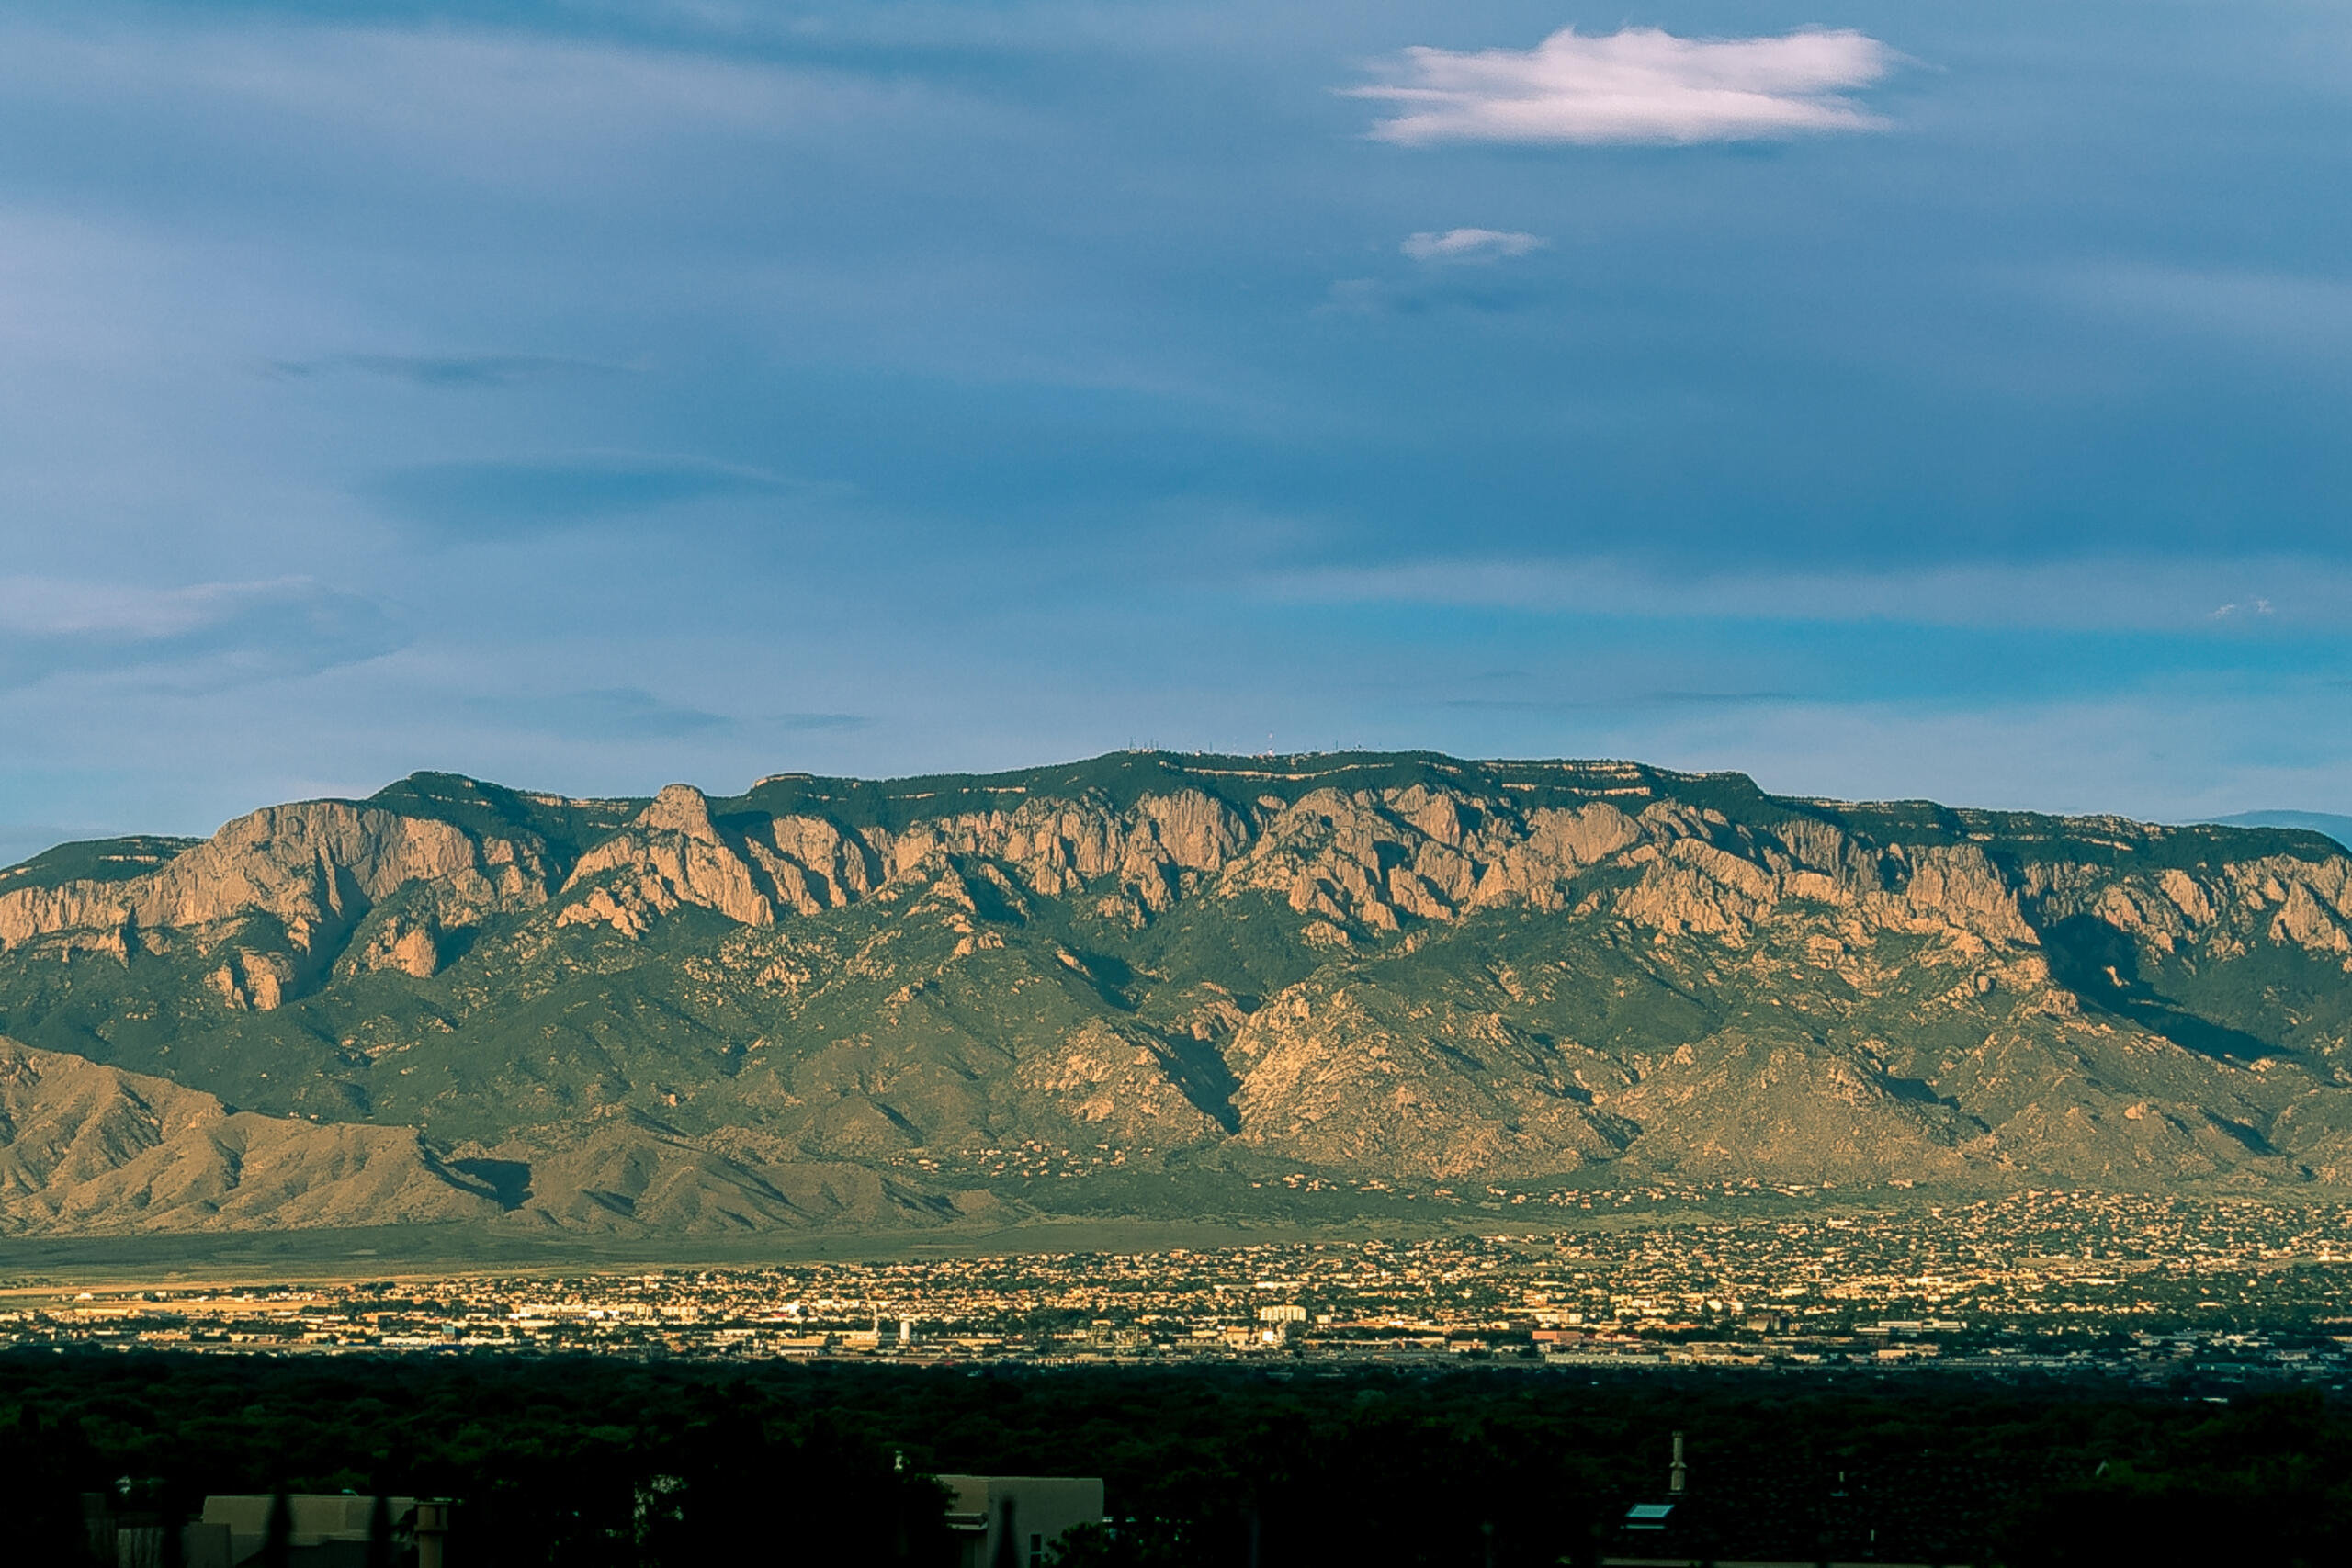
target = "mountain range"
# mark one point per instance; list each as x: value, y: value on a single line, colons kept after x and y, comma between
x: 1152, y: 985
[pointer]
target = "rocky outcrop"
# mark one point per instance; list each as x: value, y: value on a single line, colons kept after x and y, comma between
x: 1327, y: 1079
x: 672, y: 855
x: 405, y: 941
x: 315, y: 869
x: 812, y: 865
x: 1121, y: 1085
x: 2299, y: 903
x: 1056, y: 847
x: 252, y: 980
x: 1366, y: 862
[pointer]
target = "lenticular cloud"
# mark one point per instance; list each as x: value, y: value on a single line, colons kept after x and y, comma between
x: 1640, y: 84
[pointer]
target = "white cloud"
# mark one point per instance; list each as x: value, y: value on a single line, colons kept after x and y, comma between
x: 1469, y: 244
x: 1640, y: 84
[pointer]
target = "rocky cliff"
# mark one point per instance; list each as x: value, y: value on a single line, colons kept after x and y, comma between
x: 1114, y: 983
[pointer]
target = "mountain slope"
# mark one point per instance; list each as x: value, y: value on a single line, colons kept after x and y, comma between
x: 93, y: 1149
x: 1129, y: 983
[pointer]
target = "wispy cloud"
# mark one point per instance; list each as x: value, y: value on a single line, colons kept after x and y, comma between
x: 503, y: 498
x: 804, y: 722
x: 201, y: 636
x: 632, y: 713
x: 2115, y: 593
x: 1637, y: 86
x: 446, y: 370
x: 2300, y: 315
x: 1481, y: 293
x: 1470, y: 245
x: 1614, y: 700
x: 500, y: 106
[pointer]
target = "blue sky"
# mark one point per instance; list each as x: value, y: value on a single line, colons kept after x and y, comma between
x: 1940, y: 400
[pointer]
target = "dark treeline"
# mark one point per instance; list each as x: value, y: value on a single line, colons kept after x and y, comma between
x: 658, y: 1465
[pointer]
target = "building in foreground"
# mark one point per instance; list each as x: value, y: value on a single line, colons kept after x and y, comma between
x: 325, y: 1531
x: 1012, y: 1521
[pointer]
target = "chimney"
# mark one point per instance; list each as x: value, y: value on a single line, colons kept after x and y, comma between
x: 1680, y: 1472
x: 432, y: 1526
x: 1007, y: 1548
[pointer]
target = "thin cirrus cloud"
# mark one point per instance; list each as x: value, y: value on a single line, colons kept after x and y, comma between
x: 202, y: 637
x: 2108, y: 592
x: 632, y: 713
x: 2300, y: 315
x: 1641, y: 85
x: 810, y: 723
x: 1615, y: 699
x: 500, y: 107
x: 1470, y: 245
x: 445, y: 370
x: 503, y: 498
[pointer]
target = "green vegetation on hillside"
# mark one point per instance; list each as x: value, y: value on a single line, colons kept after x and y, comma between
x: 96, y: 859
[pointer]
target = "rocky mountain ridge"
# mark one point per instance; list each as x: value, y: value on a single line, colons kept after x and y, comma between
x: 1108, y: 985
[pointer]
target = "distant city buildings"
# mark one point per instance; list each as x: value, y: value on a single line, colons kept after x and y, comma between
x: 2032, y: 1280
